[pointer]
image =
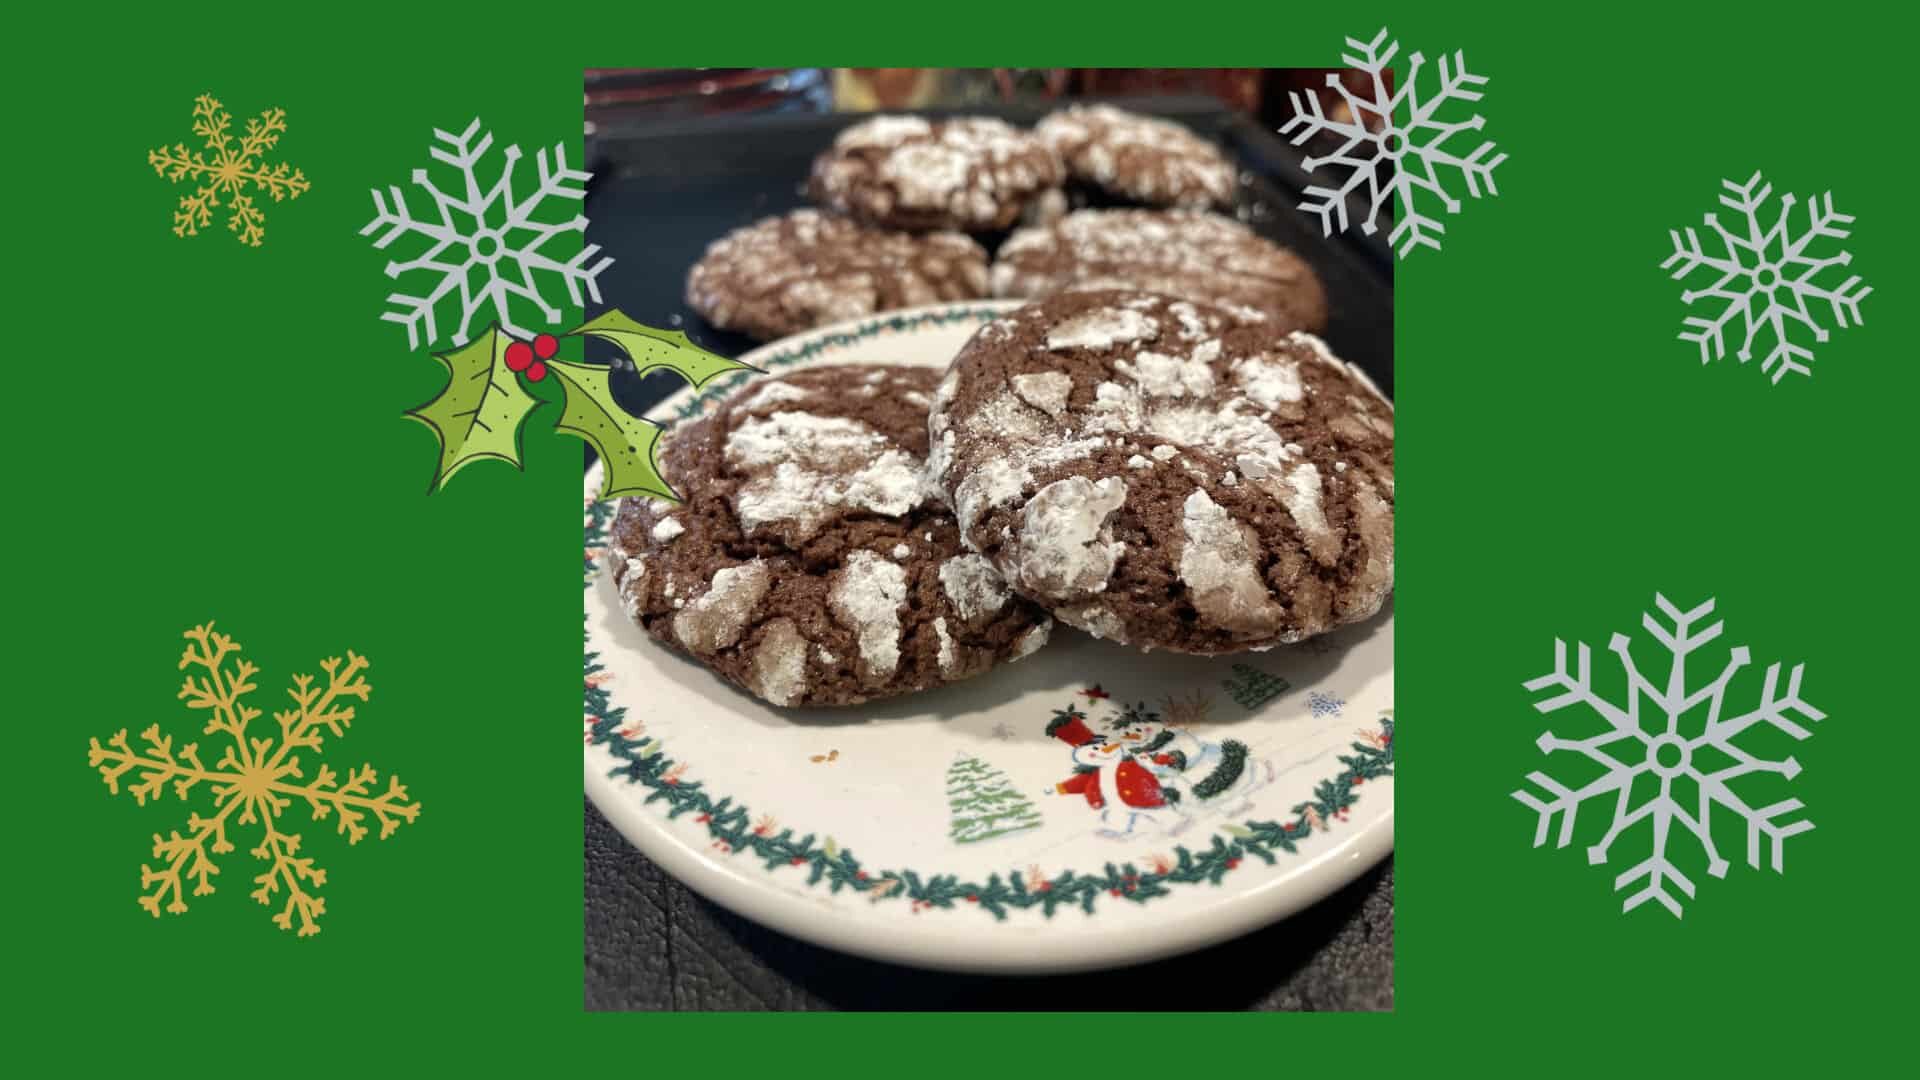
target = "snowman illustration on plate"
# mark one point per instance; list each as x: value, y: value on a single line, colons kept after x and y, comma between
x: 1126, y: 793
x: 1145, y: 776
x: 1204, y: 775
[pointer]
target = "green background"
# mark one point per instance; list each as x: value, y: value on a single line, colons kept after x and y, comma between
x: 214, y: 432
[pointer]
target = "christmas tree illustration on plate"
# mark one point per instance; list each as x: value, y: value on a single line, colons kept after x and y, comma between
x: 984, y: 803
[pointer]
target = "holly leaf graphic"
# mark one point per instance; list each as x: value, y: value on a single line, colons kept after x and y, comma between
x: 481, y: 411
x: 625, y: 443
x: 478, y: 414
x: 649, y: 348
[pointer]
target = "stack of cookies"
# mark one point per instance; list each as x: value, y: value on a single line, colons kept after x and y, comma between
x: 909, y: 207
x: 1157, y: 450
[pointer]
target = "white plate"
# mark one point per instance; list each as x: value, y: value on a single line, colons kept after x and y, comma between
x: 836, y: 826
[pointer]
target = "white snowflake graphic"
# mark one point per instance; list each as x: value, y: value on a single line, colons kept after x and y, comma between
x: 486, y: 261
x: 1766, y: 277
x: 1392, y: 161
x: 1669, y: 755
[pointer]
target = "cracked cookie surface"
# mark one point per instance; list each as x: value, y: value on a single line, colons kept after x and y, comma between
x: 810, y: 563
x: 1169, y: 475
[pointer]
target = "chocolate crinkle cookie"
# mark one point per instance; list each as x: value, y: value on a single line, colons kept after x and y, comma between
x: 1139, y: 157
x: 971, y: 173
x: 782, y: 275
x: 1193, y: 255
x: 1164, y: 474
x: 810, y: 563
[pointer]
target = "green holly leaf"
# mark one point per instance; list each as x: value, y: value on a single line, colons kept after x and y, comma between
x: 649, y: 348
x: 479, y: 413
x: 625, y: 443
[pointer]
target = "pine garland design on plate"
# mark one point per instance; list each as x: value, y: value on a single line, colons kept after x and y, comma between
x: 732, y: 828
x: 254, y: 782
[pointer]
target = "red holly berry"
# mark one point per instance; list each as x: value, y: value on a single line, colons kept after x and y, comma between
x: 1113, y: 892
x: 1231, y: 863
x: 798, y: 859
x: 1046, y: 886
x: 1358, y: 780
x: 545, y: 346
x: 537, y: 371
x: 519, y: 355
x: 972, y: 899
x: 860, y: 876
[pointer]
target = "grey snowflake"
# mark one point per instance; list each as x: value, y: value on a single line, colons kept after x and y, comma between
x: 484, y: 243
x: 1766, y: 277
x: 1405, y: 155
x: 1627, y: 749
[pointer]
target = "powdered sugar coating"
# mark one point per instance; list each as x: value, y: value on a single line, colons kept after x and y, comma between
x: 841, y: 610
x: 713, y: 620
x: 1141, y: 157
x: 970, y: 173
x: 1102, y: 328
x: 1031, y: 641
x: 882, y: 131
x: 1218, y: 564
x: 779, y: 669
x: 769, y: 392
x: 1249, y: 528
x: 634, y: 574
x: 782, y: 275
x: 1160, y: 375
x: 808, y: 467
x: 1270, y: 383
x: 1066, y: 546
x: 1045, y: 390
x: 867, y: 598
x: 974, y: 586
x: 946, y: 654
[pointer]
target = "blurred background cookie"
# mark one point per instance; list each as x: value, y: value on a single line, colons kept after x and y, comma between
x: 975, y: 174
x: 1142, y: 158
x: 1192, y: 255
x: 782, y: 275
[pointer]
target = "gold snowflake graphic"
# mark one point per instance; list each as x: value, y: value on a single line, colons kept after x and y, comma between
x: 255, y: 781
x: 225, y: 167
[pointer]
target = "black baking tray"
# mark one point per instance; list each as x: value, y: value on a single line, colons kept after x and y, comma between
x: 662, y: 192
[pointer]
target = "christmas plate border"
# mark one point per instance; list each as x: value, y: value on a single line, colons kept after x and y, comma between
x: 728, y: 826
